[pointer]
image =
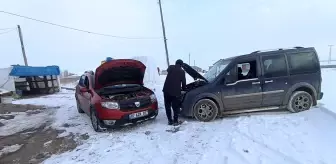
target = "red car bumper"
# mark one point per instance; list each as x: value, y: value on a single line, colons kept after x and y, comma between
x: 122, y: 117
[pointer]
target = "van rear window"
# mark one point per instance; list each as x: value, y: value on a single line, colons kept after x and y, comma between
x: 302, y: 62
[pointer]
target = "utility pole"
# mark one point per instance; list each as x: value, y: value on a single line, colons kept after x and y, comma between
x: 330, y: 47
x: 22, y: 46
x: 194, y: 63
x: 189, y: 58
x: 164, y: 34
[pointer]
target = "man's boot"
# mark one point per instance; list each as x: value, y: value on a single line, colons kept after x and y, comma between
x: 170, y: 122
x: 177, y: 122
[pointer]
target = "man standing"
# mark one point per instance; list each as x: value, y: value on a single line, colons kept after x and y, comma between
x: 172, y: 91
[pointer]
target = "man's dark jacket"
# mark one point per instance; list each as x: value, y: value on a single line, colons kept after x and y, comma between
x: 175, y: 77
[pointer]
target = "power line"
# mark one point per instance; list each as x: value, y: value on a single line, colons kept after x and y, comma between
x: 7, y: 31
x: 76, y: 29
x: 6, y: 28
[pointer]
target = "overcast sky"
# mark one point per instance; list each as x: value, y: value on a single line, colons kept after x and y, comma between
x: 209, y: 30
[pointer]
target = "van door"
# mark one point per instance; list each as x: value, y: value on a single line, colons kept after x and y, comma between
x: 242, y: 88
x: 274, y: 79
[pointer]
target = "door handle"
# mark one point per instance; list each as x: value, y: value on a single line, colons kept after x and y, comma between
x: 269, y: 81
x: 254, y: 83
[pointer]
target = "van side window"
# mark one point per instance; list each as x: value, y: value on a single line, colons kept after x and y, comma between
x: 274, y: 66
x: 302, y: 62
x: 247, y: 70
x: 242, y: 71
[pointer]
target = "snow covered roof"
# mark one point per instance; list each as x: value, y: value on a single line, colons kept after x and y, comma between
x: 34, y: 71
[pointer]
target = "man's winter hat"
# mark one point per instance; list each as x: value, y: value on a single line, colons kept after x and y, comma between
x: 179, y: 62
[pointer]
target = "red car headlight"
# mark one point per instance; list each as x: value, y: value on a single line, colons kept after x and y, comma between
x: 110, y: 105
x: 153, y: 98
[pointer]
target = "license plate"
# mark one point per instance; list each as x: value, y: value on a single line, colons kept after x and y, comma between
x: 139, y: 114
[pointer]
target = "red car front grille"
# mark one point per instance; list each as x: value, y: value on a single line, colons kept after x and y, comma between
x: 131, y: 104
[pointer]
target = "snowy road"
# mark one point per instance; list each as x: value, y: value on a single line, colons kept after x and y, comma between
x: 306, y: 137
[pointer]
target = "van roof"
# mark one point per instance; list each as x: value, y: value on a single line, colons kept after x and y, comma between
x: 286, y: 50
x: 293, y: 49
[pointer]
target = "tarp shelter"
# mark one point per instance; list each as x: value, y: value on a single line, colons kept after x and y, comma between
x: 30, y: 79
x: 34, y: 71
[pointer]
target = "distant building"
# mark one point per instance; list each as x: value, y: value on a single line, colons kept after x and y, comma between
x: 65, y: 73
x: 164, y: 72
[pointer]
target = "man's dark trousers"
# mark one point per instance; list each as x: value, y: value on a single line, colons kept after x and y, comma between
x: 172, y: 102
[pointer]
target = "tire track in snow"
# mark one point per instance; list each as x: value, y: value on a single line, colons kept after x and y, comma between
x: 280, y: 155
x: 222, y: 139
x: 230, y: 149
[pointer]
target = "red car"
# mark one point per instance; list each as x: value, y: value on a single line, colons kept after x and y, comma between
x: 115, y: 95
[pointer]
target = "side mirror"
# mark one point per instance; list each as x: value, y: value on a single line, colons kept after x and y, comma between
x: 229, y: 79
x: 83, y: 90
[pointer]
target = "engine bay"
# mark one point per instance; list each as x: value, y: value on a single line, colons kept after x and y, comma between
x: 127, y: 95
x: 191, y: 86
x: 194, y: 85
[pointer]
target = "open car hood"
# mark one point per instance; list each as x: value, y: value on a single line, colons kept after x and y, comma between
x: 119, y: 71
x: 193, y: 73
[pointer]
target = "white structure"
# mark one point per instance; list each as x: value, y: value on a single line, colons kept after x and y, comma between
x: 7, y: 82
x: 151, y: 74
x: 12, y: 83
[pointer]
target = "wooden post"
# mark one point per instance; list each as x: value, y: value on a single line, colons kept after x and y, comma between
x: 164, y: 34
x: 22, y: 46
x: 52, y: 84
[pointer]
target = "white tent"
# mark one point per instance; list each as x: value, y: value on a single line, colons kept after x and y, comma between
x: 151, y: 74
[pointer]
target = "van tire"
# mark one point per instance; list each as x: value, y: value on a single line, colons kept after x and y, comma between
x: 299, y: 101
x: 205, y: 110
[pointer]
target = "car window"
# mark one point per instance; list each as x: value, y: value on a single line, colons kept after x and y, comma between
x: 216, y: 70
x: 92, y: 81
x: 245, y: 68
x: 242, y: 71
x: 81, y: 81
x: 86, y: 82
x: 274, y: 66
x: 302, y: 62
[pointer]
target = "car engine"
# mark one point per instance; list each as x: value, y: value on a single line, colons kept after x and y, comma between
x: 126, y: 96
x: 195, y: 84
x: 191, y: 86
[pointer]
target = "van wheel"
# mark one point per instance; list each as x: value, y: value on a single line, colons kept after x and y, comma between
x: 96, y: 122
x: 300, y: 101
x: 205, y: 110
x: 79, y: 109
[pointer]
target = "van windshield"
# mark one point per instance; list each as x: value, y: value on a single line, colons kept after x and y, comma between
x: 216, y: 70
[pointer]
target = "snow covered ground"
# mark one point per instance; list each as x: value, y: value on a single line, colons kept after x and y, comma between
x: 10, y: 149
x: 20, y: 123
x: 283, y: 138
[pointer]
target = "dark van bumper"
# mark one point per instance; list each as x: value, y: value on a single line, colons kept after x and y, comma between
x: 320, y: 96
